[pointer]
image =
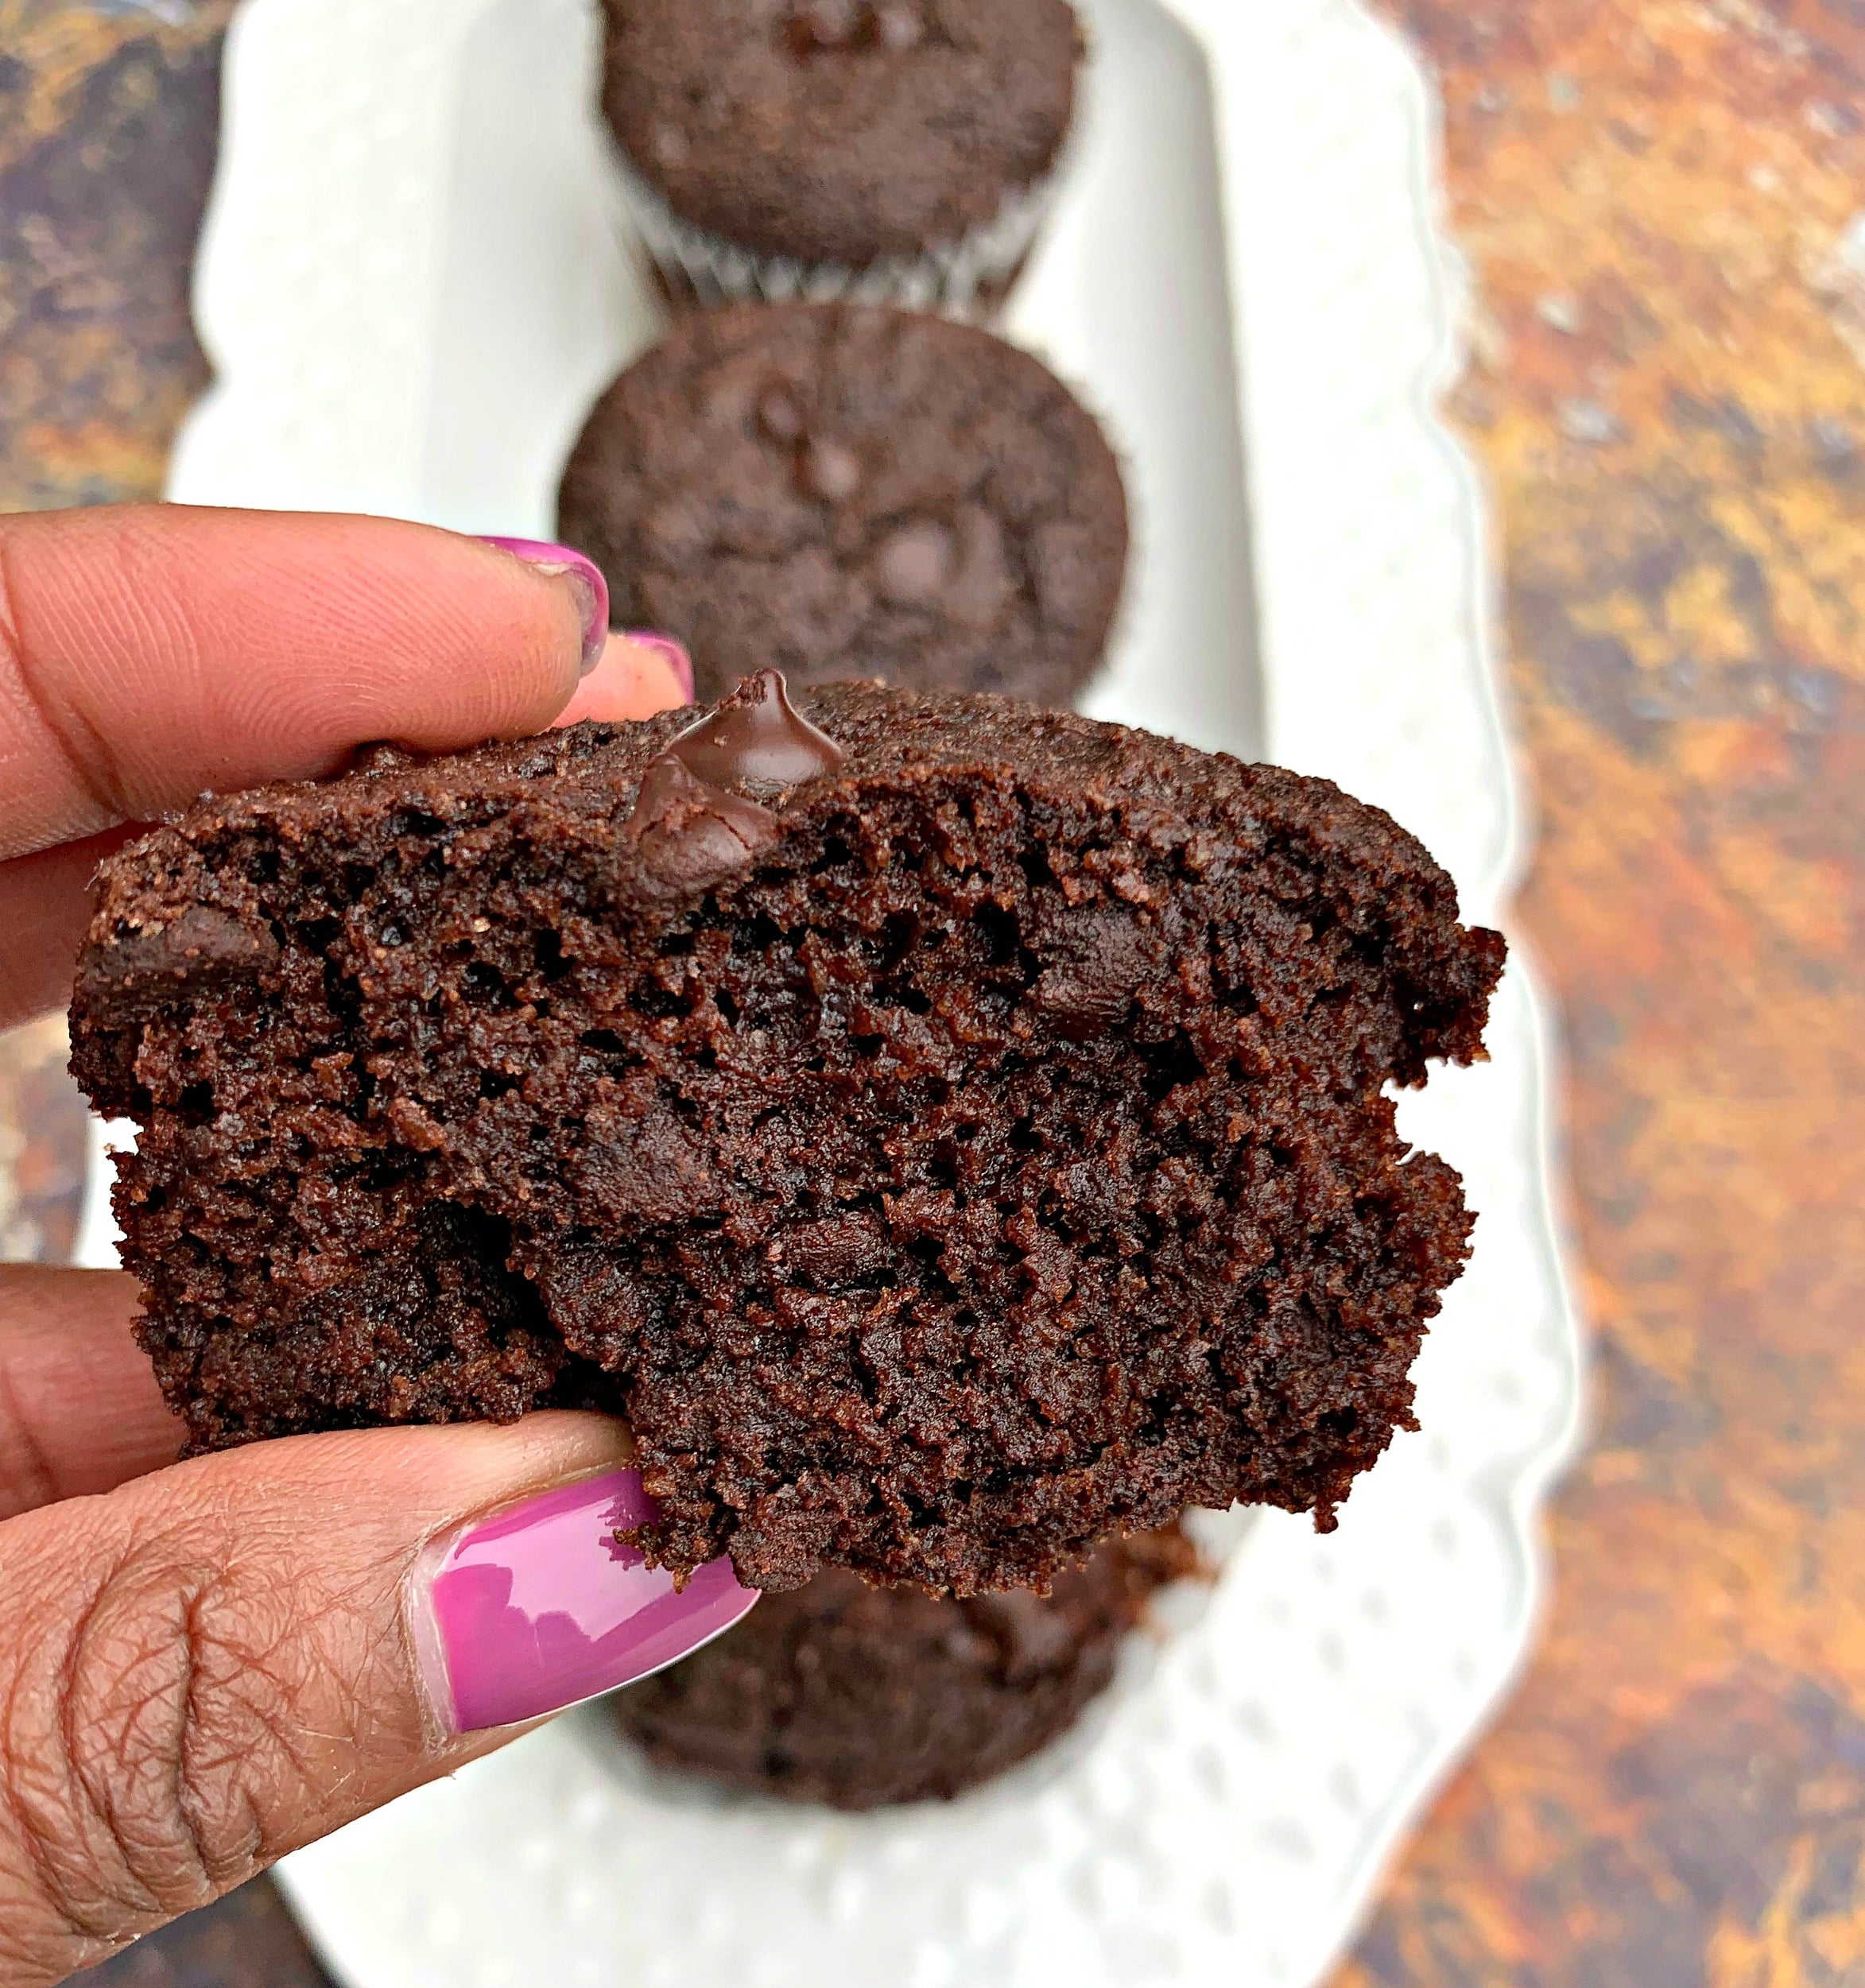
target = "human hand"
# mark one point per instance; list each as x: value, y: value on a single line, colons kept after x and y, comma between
x: 205, y: 1665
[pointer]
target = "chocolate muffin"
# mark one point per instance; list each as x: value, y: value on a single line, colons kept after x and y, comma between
x: 861, y: 1696
x: 892, y: 150
x: 948, y: 1132
x: 844, y: 492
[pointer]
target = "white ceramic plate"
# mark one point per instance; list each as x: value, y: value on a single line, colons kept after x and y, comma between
x: 413, y: 283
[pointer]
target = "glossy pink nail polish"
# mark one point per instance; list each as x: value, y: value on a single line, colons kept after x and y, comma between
x: 677, y: 659
x: 538, y: 1607
x: 564, y: 562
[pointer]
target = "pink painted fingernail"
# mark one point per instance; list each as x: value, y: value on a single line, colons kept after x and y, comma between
x: 677, y: 659
x: 541, y: 1606
x: 564, y: 562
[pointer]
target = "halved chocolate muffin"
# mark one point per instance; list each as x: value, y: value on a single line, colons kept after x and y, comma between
x: 847, y: 493
x: 860, y: 1697
x: 948, y: 1132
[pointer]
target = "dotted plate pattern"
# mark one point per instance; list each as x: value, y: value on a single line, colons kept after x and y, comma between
x: 1224, y: 1814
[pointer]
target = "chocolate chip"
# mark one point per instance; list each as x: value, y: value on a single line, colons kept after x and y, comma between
x: 1097, y: 965
x: 196, y: 943
x: 1030, y: 1635
x: 779, y: 415
x: 827, y: 23
x: 691, y: 835
x: 912, y: 566
x: 982, y: 585
x: 1065, y: 564
x: 756, y: 735
x: 898, y: 25
x: 674, y: 533
x: 197, y: 952
x: 828, y: 471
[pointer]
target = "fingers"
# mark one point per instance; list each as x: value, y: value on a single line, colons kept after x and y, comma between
x: 79, y: 1409
x: 147, y: 652
x: 44, y: 911
x: 213, y: 1665
x: 45, y: 899
x: 636, y: 676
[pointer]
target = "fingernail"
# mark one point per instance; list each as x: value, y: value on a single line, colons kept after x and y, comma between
x: 676, y: 656
x: 564, y: 562
x: 540, y: 1606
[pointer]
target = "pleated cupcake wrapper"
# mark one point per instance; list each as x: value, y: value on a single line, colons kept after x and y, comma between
x: 947, y: 279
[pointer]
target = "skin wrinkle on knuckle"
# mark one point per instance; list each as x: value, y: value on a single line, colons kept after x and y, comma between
x: 250, y: 1691
x: 104, y: 1800
x: 141, y: 1749
x: 39, y: 1937
x: 148, y: 1749
x: 226, y: 1695
x: 57, y: 1919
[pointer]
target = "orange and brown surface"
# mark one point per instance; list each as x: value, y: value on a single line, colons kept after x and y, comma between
x: 1664, y: 203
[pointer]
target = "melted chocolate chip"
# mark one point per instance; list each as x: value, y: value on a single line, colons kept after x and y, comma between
x: 692, y: 831
x: 912, y: 564
x: 779, y: 415
x: 691, y: 835
x: 827, y: 23
x: 828, y: 471
x: 1030, y: 1634
x: 898, y: 25
x: 196, y: 951
x: 1097, y: 966
x: 981, y: 587
x: 842, y: 25
x: 756, y: 735
x: 200, y: 939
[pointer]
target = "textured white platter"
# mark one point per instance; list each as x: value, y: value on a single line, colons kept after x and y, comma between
x: 413, y: 284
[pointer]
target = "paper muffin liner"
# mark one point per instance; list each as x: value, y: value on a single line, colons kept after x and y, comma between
x: 967, y: 279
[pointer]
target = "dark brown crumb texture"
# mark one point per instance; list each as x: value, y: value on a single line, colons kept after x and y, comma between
x: 841, y: 130
x: 842, y: 491
x: 860, y: 1697
x: 945, y: 1147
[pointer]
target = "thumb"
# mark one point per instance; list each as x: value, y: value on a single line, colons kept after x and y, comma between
x: 217, y: 1664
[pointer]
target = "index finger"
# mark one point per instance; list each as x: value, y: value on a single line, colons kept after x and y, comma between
x: 150, y: 652
x: 79, y: 1409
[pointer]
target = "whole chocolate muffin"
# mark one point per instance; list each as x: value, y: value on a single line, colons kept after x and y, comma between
x: 860, y: 1696
x: 842, y: 492
x: 907, y: 139
x: 948, y: 1132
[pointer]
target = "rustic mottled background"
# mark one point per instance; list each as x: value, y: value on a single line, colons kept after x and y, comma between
x: 1664, y: 204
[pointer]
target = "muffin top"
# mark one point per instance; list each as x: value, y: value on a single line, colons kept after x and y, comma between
x: 841, y: 130
x: 842, y: 491
x: 862, y: 1696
